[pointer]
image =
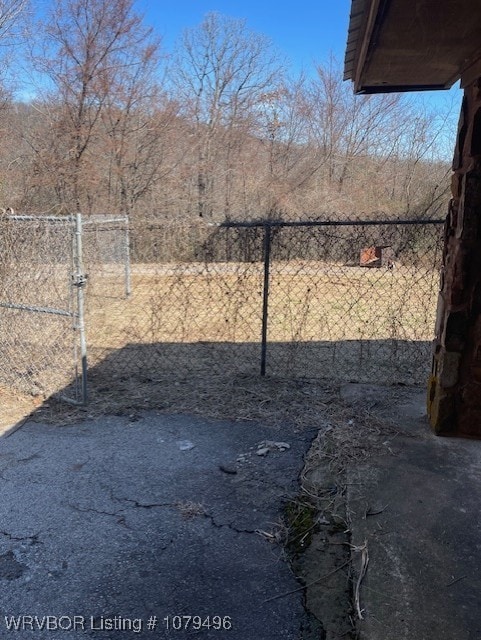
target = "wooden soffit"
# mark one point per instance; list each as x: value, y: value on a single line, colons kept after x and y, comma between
x: 412, y: 45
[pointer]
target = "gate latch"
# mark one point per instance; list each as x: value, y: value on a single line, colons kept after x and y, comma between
x: 79, y: 279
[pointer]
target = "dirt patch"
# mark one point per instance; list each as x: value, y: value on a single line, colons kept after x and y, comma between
x: 273, y: 401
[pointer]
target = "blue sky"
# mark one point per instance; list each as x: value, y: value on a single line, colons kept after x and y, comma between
x: 301, y: 34
x: 302, y: 31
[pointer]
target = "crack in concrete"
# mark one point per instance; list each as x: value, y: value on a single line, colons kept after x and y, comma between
x: 33, y: 539
x: 12, y: 462
x: 140, y: 505
x: 114, y: 514
x: 227, y: 525
x: 28, y: 458
x: 150, y: 505
x: 175, y: 505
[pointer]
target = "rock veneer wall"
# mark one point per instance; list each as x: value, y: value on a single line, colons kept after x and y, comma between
x: 454, y: 395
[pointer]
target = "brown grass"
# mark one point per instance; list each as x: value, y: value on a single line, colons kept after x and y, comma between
x: 187, y: 339
x: 223, y: 303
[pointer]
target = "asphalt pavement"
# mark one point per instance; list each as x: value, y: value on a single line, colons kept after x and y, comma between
x: 169, y: 526
x: 160, y: 527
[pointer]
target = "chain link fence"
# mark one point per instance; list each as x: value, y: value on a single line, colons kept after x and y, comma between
x: 353, y: 301
x: 170, y: 303
x: 106, y: 255
x: 37, y: 306
x: 43, y: 347
x: 341, y: 300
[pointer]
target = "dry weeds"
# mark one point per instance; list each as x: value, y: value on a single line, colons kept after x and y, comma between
x: 15, y: 407
x: 275, y: 402
x: 309, y: 302
x: 189, y: 509
x: 187, y: 340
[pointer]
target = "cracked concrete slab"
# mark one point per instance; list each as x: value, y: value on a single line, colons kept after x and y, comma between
x: 414, y: 503
x: 110, y: 519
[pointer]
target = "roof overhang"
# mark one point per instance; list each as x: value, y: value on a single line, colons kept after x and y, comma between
x: 396, y: 45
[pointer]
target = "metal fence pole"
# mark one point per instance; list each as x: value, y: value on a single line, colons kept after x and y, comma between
x: 79, y: 281
x: 128, y: 278
x: 265, y: 296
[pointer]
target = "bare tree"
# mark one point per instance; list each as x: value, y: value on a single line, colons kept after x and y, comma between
x: 346, y: 126
x: 138, y: 118
x: 89, y: 45
x: 220, y: 74
x: 375, y: 148
x: 11, y: 14
x: 10, y: 11
x: 224, y: 132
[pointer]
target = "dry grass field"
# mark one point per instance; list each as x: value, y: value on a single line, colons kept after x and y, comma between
x: 308, y: 301
x: 317, y: 314
x: 188, y: 337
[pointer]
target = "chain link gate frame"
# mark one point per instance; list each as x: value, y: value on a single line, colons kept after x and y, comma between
x: 43, y: 302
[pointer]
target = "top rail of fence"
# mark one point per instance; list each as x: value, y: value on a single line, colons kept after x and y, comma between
x: 323, y: 223
x: 31, y: 218
x: 103, y: 219
x: 96, y: 219
x: 251, y: 224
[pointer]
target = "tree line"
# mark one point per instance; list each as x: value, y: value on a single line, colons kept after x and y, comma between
x: 217, y: 128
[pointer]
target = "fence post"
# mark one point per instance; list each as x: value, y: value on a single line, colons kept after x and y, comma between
x: 79, y: 281
x: 128, y: 279
x: 265, y: 295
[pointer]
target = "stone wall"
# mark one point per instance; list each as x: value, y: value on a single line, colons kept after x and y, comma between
x: 454, y: 396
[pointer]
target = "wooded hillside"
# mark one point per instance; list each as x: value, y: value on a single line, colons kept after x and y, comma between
x: 216, y: 128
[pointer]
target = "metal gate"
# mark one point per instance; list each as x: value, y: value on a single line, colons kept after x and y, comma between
x: 43, y: 276
x: 41, y: 288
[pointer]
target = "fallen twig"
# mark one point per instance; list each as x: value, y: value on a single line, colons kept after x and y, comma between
x: 450, y: 584
x: 362, y: 573
x: 310, y: 584
x: 255, y: 393
x: 375, y: 512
